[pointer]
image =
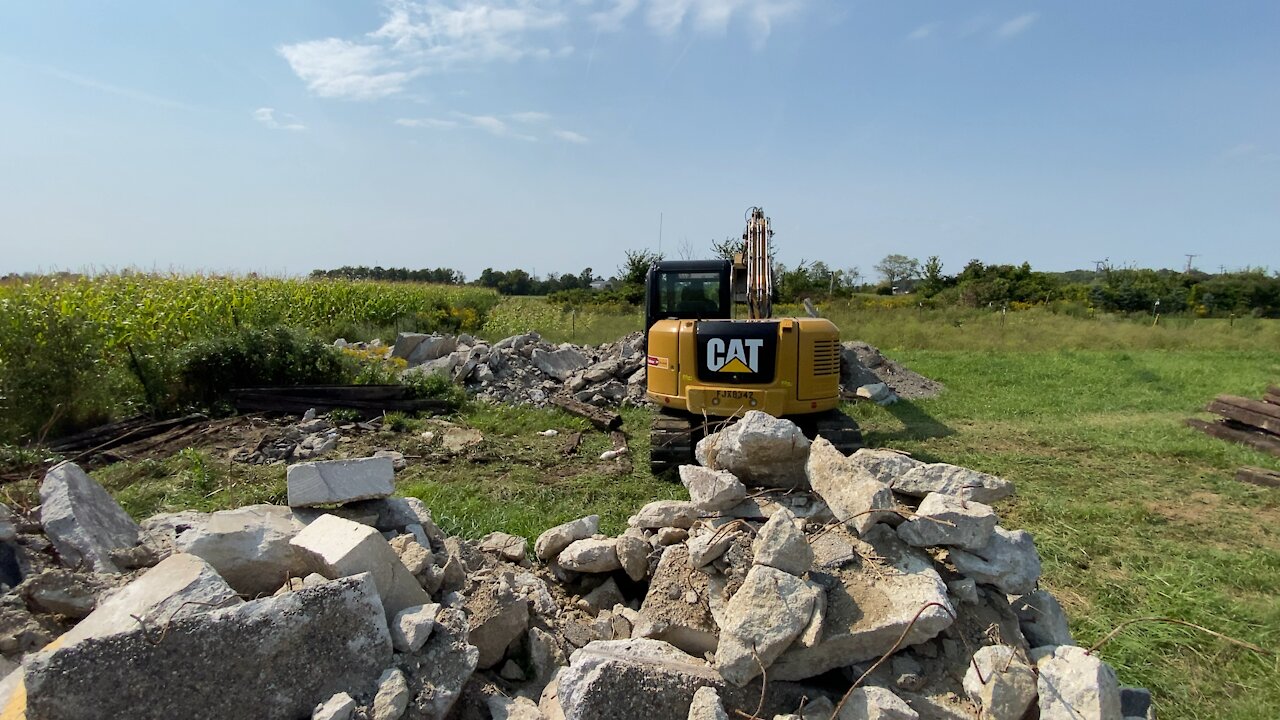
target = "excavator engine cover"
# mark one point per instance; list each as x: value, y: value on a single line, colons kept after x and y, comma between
x: 737, y: 353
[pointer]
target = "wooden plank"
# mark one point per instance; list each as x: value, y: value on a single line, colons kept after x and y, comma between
x: 1259, y: 476
x: 253, y: 402
x: 1273, y: 390
x: 603, y: 419
x: 1254, y: 406
x: 100, y: 439
x: 332, y: 392
x: 1257, y: 440
x: 1246, y: 416
x: 1271, y: 398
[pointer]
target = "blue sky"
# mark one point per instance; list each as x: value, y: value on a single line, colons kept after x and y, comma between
x: 551, y: 135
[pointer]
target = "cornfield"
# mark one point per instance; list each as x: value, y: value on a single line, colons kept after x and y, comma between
x: 65, y: 340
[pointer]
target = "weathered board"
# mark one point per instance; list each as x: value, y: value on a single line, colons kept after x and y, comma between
x: 1263, y: 416
x: 1227, y: 430
x: 1259, y: 476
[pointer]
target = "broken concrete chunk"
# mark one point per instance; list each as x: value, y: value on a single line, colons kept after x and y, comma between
x: 759, y: 450
x: 559, y: 363
x: 633, y: 553
x: 443, y: 666
x: 1000, y: 682
x: 1135, y: 702
x: 666, y: 613
x: 336, y: 548
x: 317, y: 642
x: 248, y: 546
x: 872, y: 600
x: 761, y: 620
x: 782, y: 545
x: 497, y: 616
x: 181, y: 586
x: 339, y: 481
x: 392, y: 698
x: 603, y: 597
x: 665, y: 513
x: 504, y: 545
x: 411, y: 552
x: 1042, y: 620
x: 946, y: 520
x: 519, y: 708
x: 876, y: 703
x: 953, y: 480
x: 60, y: 592
x: 670, y: 536
x: 550, y: 543
x: 706, y: 705
x: 882, y: 464
x: 707, y: 547
x: 712, y: 490
x: 590, y: 556
x: 418, y: 348
x: 856, y: 497
x: 1009, y: 562
x: 412, y: 626
x: 1075, y: 685
x: 83, y: 521
x: 338, y: 707
x: 647, y: 680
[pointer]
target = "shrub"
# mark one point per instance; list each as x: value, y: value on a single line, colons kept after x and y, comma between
x: 209, y: 369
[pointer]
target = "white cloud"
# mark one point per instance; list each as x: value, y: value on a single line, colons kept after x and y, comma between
x: 434, y: 123
x: 530, y: 118
x: 494, y: 126
x: 267, y: 116
x: 419, y: 37
x: 923, y: 31
x: 571, y: 136
x: 336, y: 68
x: 1016, y: 26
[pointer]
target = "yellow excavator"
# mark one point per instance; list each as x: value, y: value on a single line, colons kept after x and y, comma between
x: 706, y: 367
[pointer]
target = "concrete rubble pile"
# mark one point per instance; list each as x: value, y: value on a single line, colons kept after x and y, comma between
x: 766, y: 601
x: 525, y: 369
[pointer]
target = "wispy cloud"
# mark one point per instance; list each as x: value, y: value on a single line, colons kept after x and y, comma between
x: 923, y: 31
x: 434, y: 123
x: 285, y: 121
x: 1016, y: 26
x: 117, y: 90
x: 420, y: 37
x: 530, y: 117
x: 494, y: 126
x: 335, y: 68
x: 1248, y: 151
x: 571, y: 137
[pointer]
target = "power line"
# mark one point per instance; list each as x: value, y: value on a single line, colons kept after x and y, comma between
x: 1190, y: 257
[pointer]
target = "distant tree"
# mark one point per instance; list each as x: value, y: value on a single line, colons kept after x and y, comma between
x: 933, y: 281
x: 728, y: 247
x: 684, y: 249
x: 896, y: 268
x: 634, y: 269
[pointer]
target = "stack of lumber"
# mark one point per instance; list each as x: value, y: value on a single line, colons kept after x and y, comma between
x: 1255, y: 423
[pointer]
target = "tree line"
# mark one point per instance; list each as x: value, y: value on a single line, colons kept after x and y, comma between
x: 1251, y: 291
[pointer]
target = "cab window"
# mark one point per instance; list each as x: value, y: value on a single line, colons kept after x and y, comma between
x: 689, y: 295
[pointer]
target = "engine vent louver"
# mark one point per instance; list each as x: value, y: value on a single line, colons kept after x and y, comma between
x: 826, y: 357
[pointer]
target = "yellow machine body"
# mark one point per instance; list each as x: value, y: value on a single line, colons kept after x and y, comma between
x: 710, y: 373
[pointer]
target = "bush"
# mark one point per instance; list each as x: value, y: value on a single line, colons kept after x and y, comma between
x: 278, y: 357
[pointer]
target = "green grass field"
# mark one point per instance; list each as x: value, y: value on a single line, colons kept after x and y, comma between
x: 1134, y: 514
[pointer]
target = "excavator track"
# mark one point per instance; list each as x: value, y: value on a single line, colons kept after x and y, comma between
x: 838, y: 429
x: 671, y: 441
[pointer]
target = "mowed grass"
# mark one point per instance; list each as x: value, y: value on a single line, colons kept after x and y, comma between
x: 1134, y: 514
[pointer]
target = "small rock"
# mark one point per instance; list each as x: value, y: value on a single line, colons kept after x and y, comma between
x: 706, y: 705
x: 856, y: 497
x: 60, y: 592
x: 712, y: 490
x: 946, y: 520
x: 761, y: 620
x: 707, y: 547
x: 1042, y: 620
x: 550, y: 543
x: 338, y: 707
x: 415, y: 557
x: 633, y: 553
x: 876, y: 703
x: 412, y: 627
x: 665, y: 513
x: 511, y: 672
x: 1075, y: 685
x: 1009, y: 562
x: 339, y: 481
x: 759, y: 450
x: 506, y: 546
x: 782, y: 545
x: 965, y: 590
x: 953, y: 480
x: 883, y: 464
x: 603, y: 597
x: 590, y: 556
x: 1001, y: 683
x: 496, y: 616
x: 517, y: 708
x: 671, y: 535
x: 907, y: 673
x: 392, y: 698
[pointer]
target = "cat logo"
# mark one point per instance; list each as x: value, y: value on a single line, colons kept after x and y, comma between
x: 734, y: 355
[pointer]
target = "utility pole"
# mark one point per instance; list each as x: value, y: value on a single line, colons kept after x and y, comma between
x: 659, y: 234
x: 1097, y: 264
x: 1190, y: 257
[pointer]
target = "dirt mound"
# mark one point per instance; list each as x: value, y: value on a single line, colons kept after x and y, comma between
x: 863, y: 364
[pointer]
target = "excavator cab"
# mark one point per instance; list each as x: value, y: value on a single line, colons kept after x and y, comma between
x: 689, y: 289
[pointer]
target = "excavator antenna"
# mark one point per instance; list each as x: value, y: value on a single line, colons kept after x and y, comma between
x: 759, y: 265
